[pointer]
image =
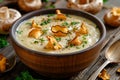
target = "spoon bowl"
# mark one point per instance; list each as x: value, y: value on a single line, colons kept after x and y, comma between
x: 113, y: 52
x: 112, y: 55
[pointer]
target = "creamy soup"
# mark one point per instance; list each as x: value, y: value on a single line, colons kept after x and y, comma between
x: 72, y: 23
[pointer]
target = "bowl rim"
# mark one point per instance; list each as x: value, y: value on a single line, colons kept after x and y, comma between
x: 14, y: 27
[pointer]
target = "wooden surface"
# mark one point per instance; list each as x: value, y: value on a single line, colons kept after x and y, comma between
x: 113, y: 34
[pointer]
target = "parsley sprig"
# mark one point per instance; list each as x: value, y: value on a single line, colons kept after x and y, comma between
x: 25, y: 75
x: 3, y: 41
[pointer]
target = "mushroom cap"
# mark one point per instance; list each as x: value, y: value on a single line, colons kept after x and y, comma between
x: 7, y: 17
x: 112, y: 17
x: 29, y: 5
x: 94, y: 6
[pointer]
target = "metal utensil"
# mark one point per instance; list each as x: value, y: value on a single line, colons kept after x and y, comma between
x: 112, y: 55
x: 9, y: 53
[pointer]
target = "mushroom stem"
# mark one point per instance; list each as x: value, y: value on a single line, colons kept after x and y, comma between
x: 58, y: 12
x: 88, y: 1
x: 4, y: 13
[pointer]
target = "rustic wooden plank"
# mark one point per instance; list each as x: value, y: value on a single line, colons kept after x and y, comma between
x: 112, y: 34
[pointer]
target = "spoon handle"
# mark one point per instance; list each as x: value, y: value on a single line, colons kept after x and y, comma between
x: 95, y: 74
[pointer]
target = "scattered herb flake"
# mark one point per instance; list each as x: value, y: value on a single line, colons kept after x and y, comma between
x: 28, y: 23
x: 42, y: 40
x: 74, y: 23
x: 54, y: 44
x: 25, y: 75
x: 77, y: 47
x: 36, y: 42
x: 58, y: 39
x: 45, y: 22
x: 19, y: 32
x: 3, y: 41
x: 65, y: 23
x: 49, y: 15
x: 45, y: 31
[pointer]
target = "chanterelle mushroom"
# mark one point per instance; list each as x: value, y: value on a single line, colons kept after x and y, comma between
x: 30, y: 5
x: 35, y: 33
x: 75, y: 41
x: 59, y: 30
x: 104, y: 75
x: 91, y: 6
x: 52, y: 44
x: 82, y: 30
x: 7, y: 17
x: 60, y: 16
x: 112, y: 17
x: 3, y: 61
x: 35, y: 25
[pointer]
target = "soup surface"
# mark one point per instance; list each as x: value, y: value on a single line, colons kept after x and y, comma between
x: 66, y: 35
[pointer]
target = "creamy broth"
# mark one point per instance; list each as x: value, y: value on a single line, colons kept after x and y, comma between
x: 46, y: 22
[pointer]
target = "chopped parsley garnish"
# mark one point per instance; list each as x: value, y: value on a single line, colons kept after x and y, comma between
x: 45, y: 22
x: 36, y: 42
x: 71, y: 45
x: 45, y: 31
x: 58, y: 39
x: 54, y: 44
x: 42, y: 40
x: 84, y: 40
x: 25, y: 75
x: 28, y: 23
x: 74, y: 23
x: 19, y: 32
x: 65, y: 23
x: 49, y: 15
x: 77, y: 47
x: 3, y: 41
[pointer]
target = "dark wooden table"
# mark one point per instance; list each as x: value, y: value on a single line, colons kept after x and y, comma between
x: 113, y: 34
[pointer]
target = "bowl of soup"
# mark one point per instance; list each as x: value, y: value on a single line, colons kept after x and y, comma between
x: 58, y: 43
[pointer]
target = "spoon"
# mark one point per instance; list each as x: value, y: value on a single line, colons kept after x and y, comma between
x: 11, y: 58
x: 112, y: 55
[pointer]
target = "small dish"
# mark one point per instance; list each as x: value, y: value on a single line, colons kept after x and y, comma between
x: 11, y: 58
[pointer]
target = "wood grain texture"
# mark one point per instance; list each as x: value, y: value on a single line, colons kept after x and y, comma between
x: 113, y: 34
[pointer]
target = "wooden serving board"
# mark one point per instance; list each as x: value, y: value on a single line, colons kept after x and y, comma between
x: 112, y: 35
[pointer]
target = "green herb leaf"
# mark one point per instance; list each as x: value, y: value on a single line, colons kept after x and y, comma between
x: 104, y: 1
x: 74, y: 23
x: 65, y: 23
x: 25, y: 76
x: 3, y: 41
x: 45, y: 22
x: 1, y: 1
x: 36, y: 42
x: 29, y: 23
x: 45, y: 31
x: 19, y: 32
x: 58, y: 39
x: 42, y: 40
x: 49, y: 15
